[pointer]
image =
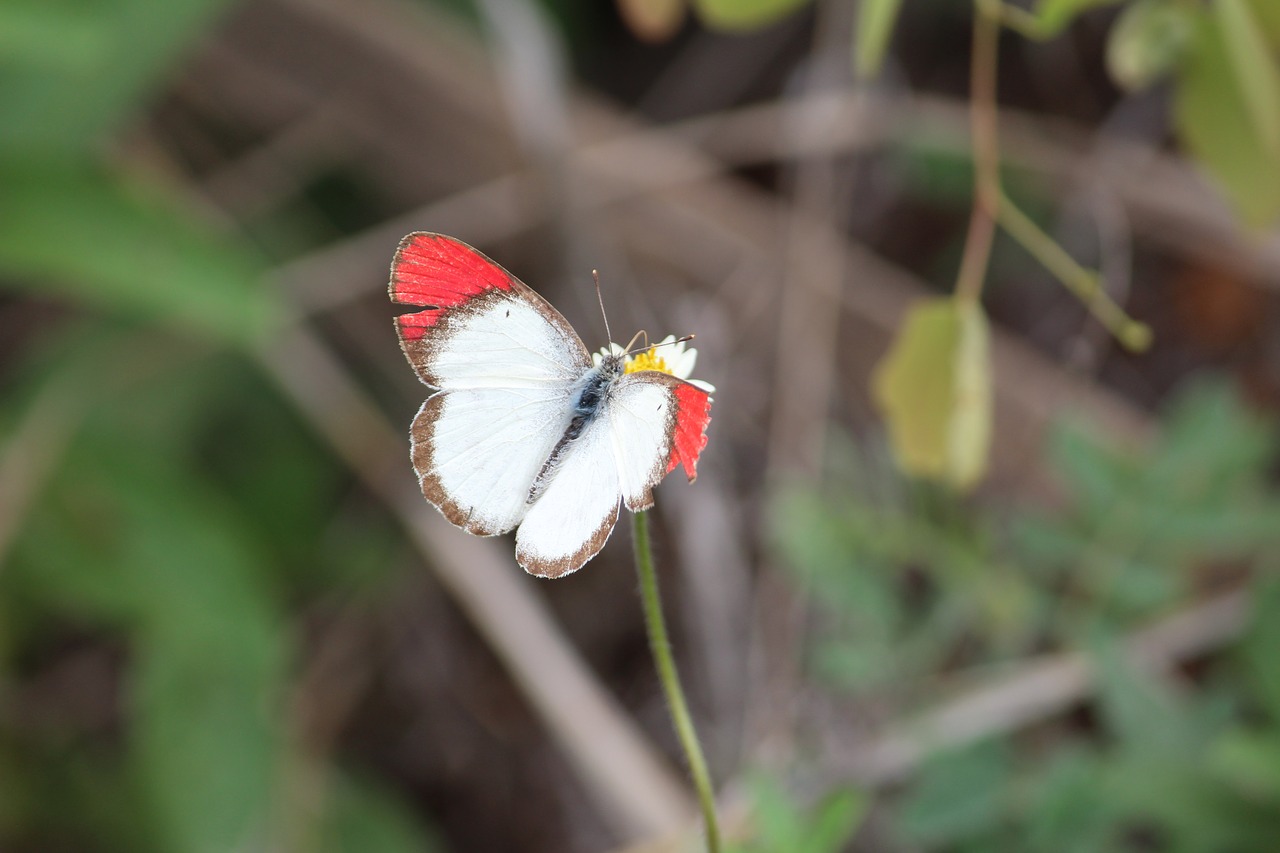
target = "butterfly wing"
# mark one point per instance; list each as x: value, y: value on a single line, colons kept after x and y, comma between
x: 659, y: 422
x: 505, y: 363
x: 649, y: 423
x: 482, y: 327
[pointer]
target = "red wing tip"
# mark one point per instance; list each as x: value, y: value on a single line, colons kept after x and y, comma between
x: 438, y: 271
x: 690, y: 435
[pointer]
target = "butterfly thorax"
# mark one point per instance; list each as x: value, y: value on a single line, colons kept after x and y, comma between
x: 592, y: 391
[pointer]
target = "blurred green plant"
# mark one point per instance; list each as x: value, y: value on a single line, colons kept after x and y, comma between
x: 1165, y: 769
x: 779, y: 825
x: 910, y: 585
x: 183, y: 503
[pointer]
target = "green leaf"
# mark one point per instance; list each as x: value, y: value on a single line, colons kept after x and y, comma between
x: 934, y: 389
x: 365, y: 818
x: 1147, y: 40
x: 80, y: 67
x: 835, y: 821
x: 74, y: 233
x: 131, y: 537
x: 1136, y: 708
x: 1067, y: 814
x: 1267, y: 14
x: 1054, y: 16
x: 1219, y: 122
x: 957, y: 795
x: 1099, y: 476
x: 1249, y: 762
x: 744, y: 15
x: 1255, y: 69
x: 50, y: 40
x: 875, y: 26
x: 206, y: 740
x: 1261, y: 647
x: 778, y: 824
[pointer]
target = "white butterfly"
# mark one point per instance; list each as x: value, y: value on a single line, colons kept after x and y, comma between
x: 525, y: 429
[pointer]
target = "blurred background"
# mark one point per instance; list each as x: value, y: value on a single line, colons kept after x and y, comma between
x: 977, y: 579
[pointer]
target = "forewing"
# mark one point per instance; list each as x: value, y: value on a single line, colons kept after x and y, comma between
x: 481, y: 327
x: 477, y: 451
x: 570, y: 521
x: 658, y: 422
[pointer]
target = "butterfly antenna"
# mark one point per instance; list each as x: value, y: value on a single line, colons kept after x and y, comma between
x: 662, y: 344
x: 627, y: 350
x: 608, y: 336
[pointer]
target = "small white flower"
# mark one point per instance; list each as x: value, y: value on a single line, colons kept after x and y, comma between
x: 667, y: 355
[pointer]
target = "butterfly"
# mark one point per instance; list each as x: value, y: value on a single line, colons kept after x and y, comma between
x: 525, y: 430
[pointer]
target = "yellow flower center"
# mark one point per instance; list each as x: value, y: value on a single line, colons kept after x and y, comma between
x: 647, y: 360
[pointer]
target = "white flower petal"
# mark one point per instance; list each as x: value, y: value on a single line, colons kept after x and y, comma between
x: 682, y: 364
x: 705, y: 386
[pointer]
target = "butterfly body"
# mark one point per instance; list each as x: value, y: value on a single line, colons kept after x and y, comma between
x: 523, y: 431
x: 596, y: 384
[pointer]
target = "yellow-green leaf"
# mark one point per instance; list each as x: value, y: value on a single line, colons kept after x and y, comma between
x: 1147, y: 40
x: 1212, y: 117
x: 744, y: 15
x: 934, y: 390
x: 1255, y: 69
x: 875, y: 25
x: 1267, y: 14
x: 652, y: 20
x: 1054, y: 16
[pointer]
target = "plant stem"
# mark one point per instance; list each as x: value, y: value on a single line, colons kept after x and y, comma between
x: 986, y: 153
x: 991, y: 206
x: 1082, y: 282
x: 661, y: 648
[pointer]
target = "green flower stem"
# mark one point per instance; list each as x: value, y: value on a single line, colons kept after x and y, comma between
x: 1084, y: 283
x: 661, y: 648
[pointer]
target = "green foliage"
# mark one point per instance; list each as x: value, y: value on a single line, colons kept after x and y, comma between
x: 1188, y: 770
x: 934, y: 390
x: 958, y: 795
x: 1147, y: 41
x: 1054, y: 16
x: 744, y: 15
x: 778, y: 825
x: 363, y: 817
x: 185, y: 505
x: 154, y: 530
x: 875, y: 26
x: 112, y: 244
x: 1140, y: 524
x: 71, y: 70
x: 856, y: 552
x: 1220, y: 121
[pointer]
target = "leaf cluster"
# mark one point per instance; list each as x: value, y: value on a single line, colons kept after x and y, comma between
x: 911, y: 589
